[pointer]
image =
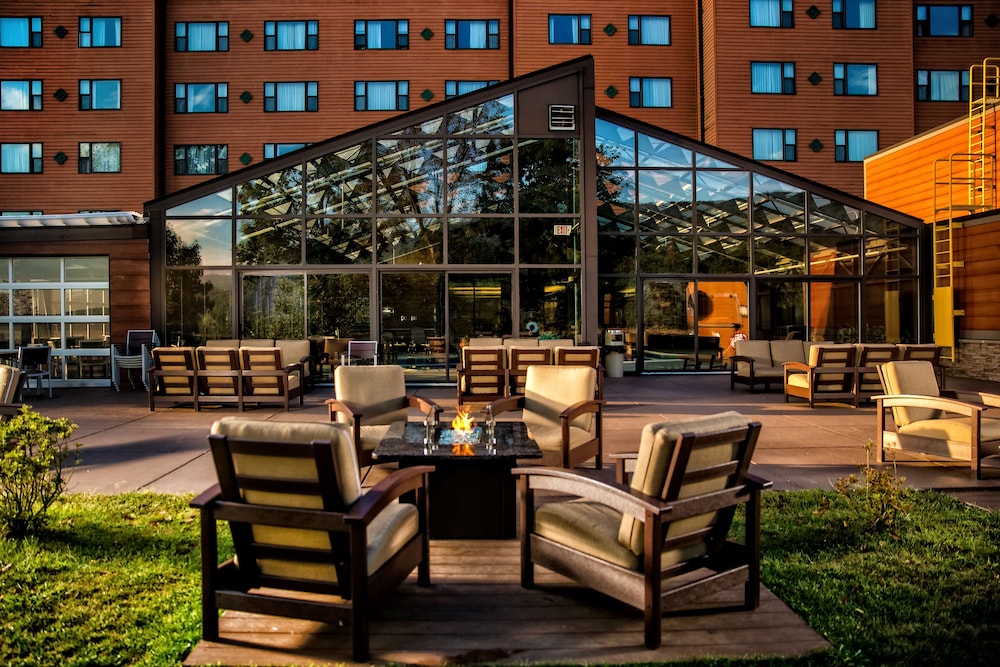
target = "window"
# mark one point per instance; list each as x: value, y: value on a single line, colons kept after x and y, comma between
x: 943, y: 85
x: 100, y: 157
x: 100, y: 94
x: 201, y: 36
x: 569, y: 28
x: 649, y: 30
x: 472, y: 34
x: 201, y: 98
x: 854, y: 14
x: 381, y: 95
x: 649, y: 92
x: 854, y: 79
x: 291, y: 96
x: 381, y: 35
x: 944, y: 20
x: 274, y: 150
x: 291, y: 35
x: 774, y: 145
x: 202, y: 160
x: 771, y: 14
x: 855, y: 145
x: 23, y: 95
x: 17, y: 32
x: 20, y: 158
x: 99, y: 32
x: 455, y: 88
x: 772, y: 78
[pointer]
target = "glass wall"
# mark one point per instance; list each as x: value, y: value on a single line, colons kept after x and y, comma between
x: 61, y: 302
x: 718, y: 246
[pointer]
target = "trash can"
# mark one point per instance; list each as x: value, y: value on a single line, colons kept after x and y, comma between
x: 614, y: 358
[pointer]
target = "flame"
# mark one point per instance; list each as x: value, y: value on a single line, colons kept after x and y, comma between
x: 463, y: 450
x: 463, y: 421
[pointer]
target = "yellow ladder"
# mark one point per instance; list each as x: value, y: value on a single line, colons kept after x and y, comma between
x: 984, y: 94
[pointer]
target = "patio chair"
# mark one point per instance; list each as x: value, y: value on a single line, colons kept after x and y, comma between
x: 931, y: 424
x: 35, y: 362
x: 869, y: 357
x: 360, y: 353
x: 660, y: 542
x: 520, y: 359
x: 173, y: 376
x: 369, y: 400
x: 482, y: 374
x: 267, y: 379
x: 302, y: 528
x: 561, y: 414
x: 134, y: 354
x: 829, y: 375
x: 582, y: 355
x: 220, y: 378
x: 11, y: 385
x: 925, y: 352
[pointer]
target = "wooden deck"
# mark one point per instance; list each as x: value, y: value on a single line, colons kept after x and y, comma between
x: 476, y: 612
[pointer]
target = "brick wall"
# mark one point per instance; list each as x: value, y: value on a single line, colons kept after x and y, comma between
x: 978, y: 359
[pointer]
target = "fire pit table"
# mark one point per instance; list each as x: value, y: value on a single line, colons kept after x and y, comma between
x: 471, y: 491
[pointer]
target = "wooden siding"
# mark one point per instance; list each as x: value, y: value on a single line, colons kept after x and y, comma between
x: 709, y: 129
x: 976, y: 291
x: 814, y: 111
x: 128, y: 265
x: 615, y: 60
x: 61, y: 126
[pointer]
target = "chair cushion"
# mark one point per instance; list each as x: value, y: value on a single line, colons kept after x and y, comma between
x: 548, y: 390
x: 348, y: 479
x: 957, y: 429
x: 9, y: 377
x: 656, y: 452
x: 379, y: 392
x: 293, y: 351
x: 787, y: 350
x: 758, y: 350
x: 218, y: 359
x: 548, y: 437
x: 481, y: 358
x: 589, y: 527
x: 911, y: 377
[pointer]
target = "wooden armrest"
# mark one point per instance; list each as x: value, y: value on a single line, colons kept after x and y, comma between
x: 758, y: 482
x: 614, y: 495
x: 508, y: 404
x: 583, y: 407
x: 797, y: 366
x: 336, y: 406
x: 932, y: 402
x: 425, y: 405
x: 387, y: 490
x: 206, y: 497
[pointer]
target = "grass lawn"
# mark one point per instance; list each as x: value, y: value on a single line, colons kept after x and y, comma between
x: 114, y: 580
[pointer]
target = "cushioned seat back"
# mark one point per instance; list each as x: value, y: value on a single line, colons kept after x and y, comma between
x: 10, y: 380
x: 486, y: 341
x: 293, y: 351
x: 273, y: 463
x: 175, y: 359
x: 910, y: 377
x: 520, y: 342
x: 222, y: 360
x: 578, y: 355
x: 555, y: 342
x: 378, y: 392
x: 489, y: 359
x: 920, y: 352
x: 256, y: 342
x: 758, y: 350
x: 520, y: 358
x: 787, y: 350
x: 660, y: 472
x: 548, y: 390
x: 223, y: 342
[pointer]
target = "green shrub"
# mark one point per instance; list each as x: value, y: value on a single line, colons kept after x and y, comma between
x: 877, y: 497
x: 34, y: 450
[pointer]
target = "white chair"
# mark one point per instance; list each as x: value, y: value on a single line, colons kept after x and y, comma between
x: 360, y: 353
x: 136, y: 353
x: 35, y: 362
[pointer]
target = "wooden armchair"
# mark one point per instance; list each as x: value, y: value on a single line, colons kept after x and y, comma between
x: 301, y: 527
x: 174, y: 376
x: 369, y: 400
x: 520, y: 358
x: 267, y: 378
x: 634, y: 543
x: 582, y: 355
x: 11, y: 385
x: 220, y: 378
x: 829, y: 375
x: 482, y: 375
x: 561, y: 414
x: 931, y: 424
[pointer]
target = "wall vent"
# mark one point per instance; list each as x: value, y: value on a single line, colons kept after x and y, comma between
x: 562, y: 117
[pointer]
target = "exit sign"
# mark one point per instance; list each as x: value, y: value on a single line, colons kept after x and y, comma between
x: 562, y: 230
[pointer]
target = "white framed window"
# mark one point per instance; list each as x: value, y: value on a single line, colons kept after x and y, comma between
x: 650, y: 92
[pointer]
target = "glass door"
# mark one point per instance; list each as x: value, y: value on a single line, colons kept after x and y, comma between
x: 479, y: 305
x: 412, y: 323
